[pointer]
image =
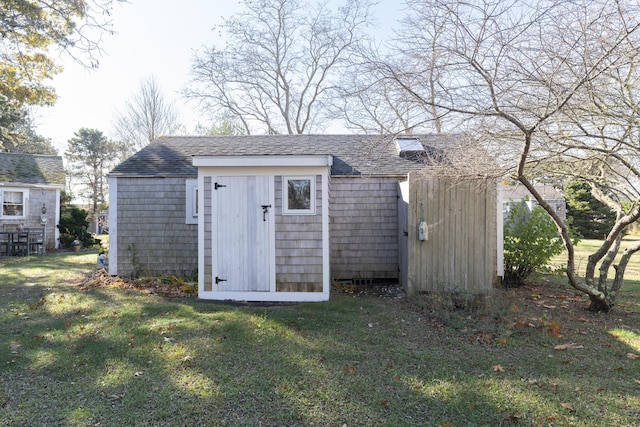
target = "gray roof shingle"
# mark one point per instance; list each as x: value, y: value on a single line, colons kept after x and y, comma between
x: 352, y: 154
x: 17, y: 168
x: 519, y: 192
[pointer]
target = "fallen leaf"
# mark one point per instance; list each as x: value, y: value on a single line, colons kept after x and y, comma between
x: 498, y: 368
x: 568, y: 406
x: 349, y: 369
x: 446, y: 424
x: 567, y: 346
x: 553, y: 328
x: 513, y: 416
x: 633, y: 356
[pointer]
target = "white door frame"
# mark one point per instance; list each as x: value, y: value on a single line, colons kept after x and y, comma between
x: 213, y: 166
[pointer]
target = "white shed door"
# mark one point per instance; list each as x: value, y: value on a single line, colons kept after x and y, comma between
x: 241, y: 209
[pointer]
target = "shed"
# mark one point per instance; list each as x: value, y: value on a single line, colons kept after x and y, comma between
x: 30, y: 193
x: 269, y: 218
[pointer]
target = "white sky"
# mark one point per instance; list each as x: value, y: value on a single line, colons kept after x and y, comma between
x: 153, y: 37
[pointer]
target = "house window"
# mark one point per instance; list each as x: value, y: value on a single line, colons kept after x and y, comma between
x: 299, y: 195
x: 13, y: 203
x: 191, y: 193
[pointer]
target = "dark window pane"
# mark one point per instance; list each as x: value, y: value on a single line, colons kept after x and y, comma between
x: 299, y: 194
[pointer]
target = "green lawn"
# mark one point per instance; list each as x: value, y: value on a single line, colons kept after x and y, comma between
x: 110, y: 356
x: 588, y: 246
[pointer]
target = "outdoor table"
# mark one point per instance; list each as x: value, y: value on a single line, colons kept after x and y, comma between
x: 14, y: 243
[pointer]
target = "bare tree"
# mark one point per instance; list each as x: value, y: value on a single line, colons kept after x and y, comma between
x: 279, y: 70
x: 147, y: 115
x: 526, y: 75
x: 225, y: 127
x: 373, y: 101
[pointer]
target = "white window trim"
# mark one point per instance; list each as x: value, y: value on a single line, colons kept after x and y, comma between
x: 191, y: 198
x: 285, y: 198
x: 25, y: 203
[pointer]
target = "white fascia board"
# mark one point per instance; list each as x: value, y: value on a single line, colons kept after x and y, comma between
x: 266, y: 160
x: 37, y: 186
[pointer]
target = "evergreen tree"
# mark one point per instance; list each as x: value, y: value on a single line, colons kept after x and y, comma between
x: 18, y: 133
x: 91, y: 155
x: 591, y: 219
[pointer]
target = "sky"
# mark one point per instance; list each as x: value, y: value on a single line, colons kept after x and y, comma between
x: 152, y: 37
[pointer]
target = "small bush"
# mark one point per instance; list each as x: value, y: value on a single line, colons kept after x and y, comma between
x: 74, y: 226
x: 530, y: 240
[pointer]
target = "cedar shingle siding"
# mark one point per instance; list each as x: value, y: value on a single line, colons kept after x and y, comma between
x: 41, y: 177
x: 298, y: 246
x: 153, y: 237
x: 364, y: 228
x: 208, y: 227
x: 363, y: 212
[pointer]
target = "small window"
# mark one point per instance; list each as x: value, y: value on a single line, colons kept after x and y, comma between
x: 298, y: 195
x: 191, y: 193
x: 13, y: 204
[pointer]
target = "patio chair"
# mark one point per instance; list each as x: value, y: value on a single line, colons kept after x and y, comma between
x: 35, y: 242
x: 20, y: 244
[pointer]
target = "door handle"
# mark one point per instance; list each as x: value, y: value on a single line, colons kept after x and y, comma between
x: 265, y: 210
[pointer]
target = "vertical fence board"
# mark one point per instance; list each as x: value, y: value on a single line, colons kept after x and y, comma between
x: 460, y: 253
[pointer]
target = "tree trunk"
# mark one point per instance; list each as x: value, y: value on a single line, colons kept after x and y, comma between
x: 598, y: 298
x: 619, y: 277
x: 606, y: 263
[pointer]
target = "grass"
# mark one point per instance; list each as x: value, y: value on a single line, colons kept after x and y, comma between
x: 587, y: 247
x: 114, y: 356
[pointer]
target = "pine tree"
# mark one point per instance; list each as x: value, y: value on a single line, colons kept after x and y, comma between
x: 591, y: 219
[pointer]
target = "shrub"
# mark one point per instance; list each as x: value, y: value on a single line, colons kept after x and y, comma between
x: 530, y: 240
x: 73, y: 226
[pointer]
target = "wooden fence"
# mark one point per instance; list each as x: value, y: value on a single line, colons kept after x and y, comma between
x: 460, y: 252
